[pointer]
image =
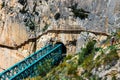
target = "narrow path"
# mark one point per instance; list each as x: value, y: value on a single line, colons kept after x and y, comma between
x: 73, y: 31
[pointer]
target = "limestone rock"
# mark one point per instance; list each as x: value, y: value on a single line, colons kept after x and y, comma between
x: 12, y: 33
x: 21, y: 18
x: 83, y: 38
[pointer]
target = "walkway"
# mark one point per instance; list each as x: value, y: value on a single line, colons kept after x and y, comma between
x: 29, y: 67
x: 73, y: 31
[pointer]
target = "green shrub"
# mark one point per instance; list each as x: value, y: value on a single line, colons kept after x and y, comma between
x: 35, y: 78
x: 2, y: 5
x: 56, y: 77
x: 88, y: 63
x: 114, y: 78
x: 81, y: 57
x: 45, y: 27
x: 72, y: 69
x: 81, y: 13
x: 104, y: 59
x: 87, y: 74
x: 45, y: 67
x: 112, y: 55
x: 31, y: 24
x: 94, y: 77
x: 62, y: 65
x: 89, y: 49
x: 68, y: 57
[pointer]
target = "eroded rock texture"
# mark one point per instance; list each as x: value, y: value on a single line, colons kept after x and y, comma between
x: 24, y: 19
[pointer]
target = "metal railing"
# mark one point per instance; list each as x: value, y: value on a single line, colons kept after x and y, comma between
x: 28, y: 66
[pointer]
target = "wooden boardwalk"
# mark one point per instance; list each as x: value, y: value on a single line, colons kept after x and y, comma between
x: 57, y: 31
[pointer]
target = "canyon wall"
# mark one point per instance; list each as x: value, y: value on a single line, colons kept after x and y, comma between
x: 21, y: 20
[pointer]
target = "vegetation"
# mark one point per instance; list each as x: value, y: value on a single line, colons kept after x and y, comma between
x: 68, y: 57
x: 88, y: 63
x: 94, y: 77
x: 69, y: 68
x: 35, y: 78
x: 31, y: 24
x: 89, y: 49
x: 22, y: 2
x: 114, y: 78
x: 45, y: 27
x: 110, y: 57
x: 117, y: 35
x: 2, y: 5
x: 45, y: 67
x: 81, y: 13
x: 72, y: 69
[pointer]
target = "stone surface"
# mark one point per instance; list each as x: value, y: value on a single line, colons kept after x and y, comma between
x: 17, y: 19
x: 108, y: 70
x: 12, y: 33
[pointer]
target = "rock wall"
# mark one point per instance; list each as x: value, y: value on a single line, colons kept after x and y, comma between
x: 35, y: 15
x: 23, y: 19
x: 12, y: 33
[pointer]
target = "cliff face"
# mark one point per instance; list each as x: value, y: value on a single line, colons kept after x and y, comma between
x: 24, y: 19
x: 34, y: 15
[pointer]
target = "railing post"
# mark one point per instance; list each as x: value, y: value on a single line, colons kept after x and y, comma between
x: 28, y: 66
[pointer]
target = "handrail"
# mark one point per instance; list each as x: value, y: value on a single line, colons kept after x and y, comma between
x: 21, y: 66
x: 23, y: 60
x: 53, y: 31
x: 34, y: 62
